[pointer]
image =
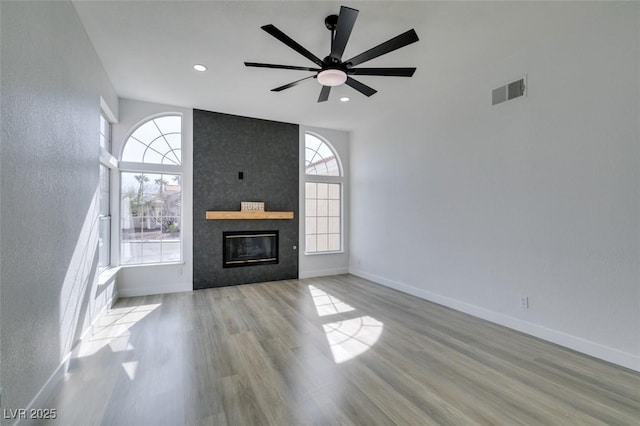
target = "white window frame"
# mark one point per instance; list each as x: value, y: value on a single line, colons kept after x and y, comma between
x: 108, y: 160
x: 152, y: 168
x: 324, y: 179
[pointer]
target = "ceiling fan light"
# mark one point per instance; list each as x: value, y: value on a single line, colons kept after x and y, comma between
x: 332, y: 77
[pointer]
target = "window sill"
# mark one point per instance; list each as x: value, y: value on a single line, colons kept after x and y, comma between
x: 141, y: 265
x: 108, y: 275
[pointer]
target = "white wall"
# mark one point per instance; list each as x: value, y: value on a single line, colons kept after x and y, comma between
x: 51, y: 86
x: 474, y: 206
x: 142, y: 280
x: 313, y: 265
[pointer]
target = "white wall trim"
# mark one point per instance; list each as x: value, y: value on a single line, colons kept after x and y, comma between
x: 323, y: 272
x: 597, y: 350
x: 155, y: 289
x: 106, y: 109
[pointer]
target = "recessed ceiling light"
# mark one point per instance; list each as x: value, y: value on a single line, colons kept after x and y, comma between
x: 344, y: 99
x: 199, y: 67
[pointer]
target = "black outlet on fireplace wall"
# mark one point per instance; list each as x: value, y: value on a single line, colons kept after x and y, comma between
x: 240, y: 175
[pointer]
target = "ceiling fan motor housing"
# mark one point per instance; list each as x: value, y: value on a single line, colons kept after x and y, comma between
x: 331, y: 22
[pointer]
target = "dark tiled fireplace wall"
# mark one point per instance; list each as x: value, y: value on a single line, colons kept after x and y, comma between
x: 267, y: 155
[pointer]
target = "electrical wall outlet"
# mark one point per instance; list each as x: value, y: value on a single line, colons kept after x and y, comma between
x: 524, y: 302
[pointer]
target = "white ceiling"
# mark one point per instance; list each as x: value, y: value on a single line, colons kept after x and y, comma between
x: 148, y: 49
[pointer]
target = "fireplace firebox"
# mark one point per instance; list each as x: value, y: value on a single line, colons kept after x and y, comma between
x: 249, y: 248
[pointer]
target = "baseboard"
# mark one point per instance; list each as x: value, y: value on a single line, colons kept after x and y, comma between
x: 579, y: 344
x: 323, y: 273
x: 151, y: 290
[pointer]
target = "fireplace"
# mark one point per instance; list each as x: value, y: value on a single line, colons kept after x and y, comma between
x: 249, y: 248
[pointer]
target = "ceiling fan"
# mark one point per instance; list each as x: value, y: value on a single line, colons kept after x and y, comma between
x: 332, y: 70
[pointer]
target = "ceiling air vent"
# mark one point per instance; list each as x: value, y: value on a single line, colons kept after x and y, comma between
x: 509, y: 91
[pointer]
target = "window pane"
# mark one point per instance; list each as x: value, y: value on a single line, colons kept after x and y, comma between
x: 151, y: 206
x: 104, y: 190
x: 323, y: 191
x: 311, y: 207
x: 323, y: 200
x: 319, y: 157
x: 170, y: 251
x: 311, y: 225
x: 323, y: 215
x: 157, y: 141
x: 334, y: 242
x: 323, y: 243
x: 131, y: 253
x: 334, y: 191
x: 334, y: 208
x: 311, y: 189
x: 311, y: 243
x: 334, y: 225
x: 104, y: 243
x: 133, y: 151
x: 323, y: 207
x: 151, y: 250
x: 169, y: 124
x: 323, y: 225
x: 152, y: 156
x: 147, y: 132
x: 166, y: 152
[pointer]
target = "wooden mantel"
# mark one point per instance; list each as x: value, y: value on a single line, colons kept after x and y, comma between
x: 248, y: 214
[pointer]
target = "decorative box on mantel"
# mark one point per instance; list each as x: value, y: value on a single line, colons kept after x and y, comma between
x: 249, y: 210
x: 256, y: 206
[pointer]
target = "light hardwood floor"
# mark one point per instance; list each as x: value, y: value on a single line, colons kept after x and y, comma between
x: 328, y: 351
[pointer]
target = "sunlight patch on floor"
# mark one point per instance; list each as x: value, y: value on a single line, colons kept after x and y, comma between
x: 130, y: 368
x: 326, y: 304
x: 113, y: 330
x: 350, y: 337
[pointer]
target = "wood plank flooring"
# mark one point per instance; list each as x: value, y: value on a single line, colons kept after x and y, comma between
x: 328, y: 351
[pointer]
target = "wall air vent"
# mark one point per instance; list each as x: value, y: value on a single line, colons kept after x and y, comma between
x: 509, y: 91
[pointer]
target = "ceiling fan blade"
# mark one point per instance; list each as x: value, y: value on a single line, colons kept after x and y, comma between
x: 360, y: 87
x: 284, y: 67
x: 346, y: 21
x: 324, y: 93
x: 395, y: 43
x: 294, y: 83
x: 271, y: 29
x: 390, y: 72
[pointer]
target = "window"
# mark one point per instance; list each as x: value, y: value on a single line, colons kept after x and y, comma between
x: 104, y: 239
x: 320, y: 159
x: 158, y: 141
x: 151, y: 193
x: 323, y: 197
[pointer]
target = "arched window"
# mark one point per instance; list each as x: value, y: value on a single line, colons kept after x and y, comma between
x: 323, y: 196
x: 157, y: 141
x: 151, y: 192
x: 320, y: 159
